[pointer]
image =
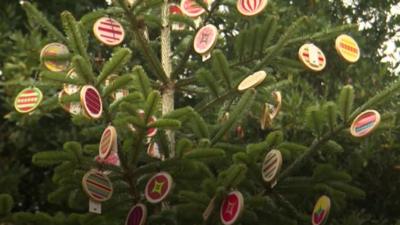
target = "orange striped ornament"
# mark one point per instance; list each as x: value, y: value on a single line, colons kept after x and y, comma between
x: 347, y: 48
x: 28, y: 100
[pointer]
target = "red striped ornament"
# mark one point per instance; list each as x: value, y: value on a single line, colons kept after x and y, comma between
x: 137, y: 215
x: 28, y: 100
x: 365, y: 123
x: 107, y: 142
x: 251, y: 7
x: 192, y: 9
x: 109, y: 31
x: 97, y: 186
x: 312, y: 57
x: 91, y: 101
x: 271, y: 166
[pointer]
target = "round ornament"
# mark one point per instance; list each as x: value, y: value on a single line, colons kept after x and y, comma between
x: 191, y: 8
x: 108, y: 31
x: 365, y: 123
x: 71, y: 88
x: 252, y: 81
x: 175, y: 9
x: 158, y: 187
x: 231, y: 207
x: 91, y: 101
x: 28, y: 100
x: 271, y: 166
x: 321, y: 210
x: 74, y: 108
x: 347, y: 48
x: 251, y: 8
x: 205, y: 39
x: 312, y: 57
x: 97, y: 186
x: 137, y: 215
x: 55, y: 50
x: 107, y: 142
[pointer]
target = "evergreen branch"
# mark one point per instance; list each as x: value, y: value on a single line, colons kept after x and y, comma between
x: 119, y: 83
x: 148, y: 52
x: 75, y: 38
x: 117, y: 61
x: 142, y: 82
x: 83, y: 69
x: 185, y: 82
x: 231, y: 93
x: 89, y: 19
x: 60, y: 77
x: 290, y: 207
x: 41, y: 20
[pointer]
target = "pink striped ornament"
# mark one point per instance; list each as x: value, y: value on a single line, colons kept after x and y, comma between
x: 109, y: 31
x: 251, y: 7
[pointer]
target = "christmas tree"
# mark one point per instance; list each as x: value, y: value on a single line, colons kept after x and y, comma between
x: 234, y: 116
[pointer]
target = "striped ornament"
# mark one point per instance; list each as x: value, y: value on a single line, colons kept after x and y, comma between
x: 137, y: 215
x: 109, y: 31
x: 251, y: 7
x: 348, y: 48
x: 107, y: 141
x: 28, y: 100
x: 365, y: 123
x: 191, y: 8
x: 312, y: 57
x: 97, y: 186
x: 55, y: 50
x: 91, y: 101
x: 271, y: 165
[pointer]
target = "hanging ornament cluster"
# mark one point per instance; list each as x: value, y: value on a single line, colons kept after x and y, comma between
x: 365, y: 123
x: 314, y: 59
x: 108, y: 31
x: 205, y: 40
x: 321, y: 210
x: 271, y: 167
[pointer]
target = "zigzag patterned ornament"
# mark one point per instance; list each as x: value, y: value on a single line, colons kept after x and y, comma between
x: 99, y: 189
x: 321, y: 210
x: 137, y: 215
x: 55, y: 50
x: 251, y: 7
x: 28, y: 100
x: 192, y: 9
x: 271, y: 166
x: 205, y: 40
x: 91, y: 102
x: 158, y: 187
x: 74, y: 108
x: 312, y: 57
x: 365, y: 123
x: 231, y: 208
x: 347, y: 48
x: 109, y: 31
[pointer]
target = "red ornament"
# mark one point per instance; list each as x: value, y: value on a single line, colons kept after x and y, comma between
x: 137, y: 215
x: 231, y: 207
x: 251, y: 8
x: 109, y: 31
x: 158, y: 187
x: 91, y: 101
x: 205, y: 39
x: 191, y: 8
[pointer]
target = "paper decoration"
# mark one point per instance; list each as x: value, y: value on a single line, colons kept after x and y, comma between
x: 71, y: 107
x: 231, y: 207
x: 137, y: 215
x: 205, y: 40
x: 91, y: 101
x: 175, y: 9
x: 365, y: 123
x: 252, y: 81
x: 158, y: 187
x: 347, y: 48
x: 107, y: 142
x: 111, y: 159
x: 153, y: 151
x: 251, y: 8
x: 55, y: 50
x: 321, y: 210
x: 269, y: 112
x: 94, y: 207
x: 312, y: 57
x: 71, y: 88
x: 118, y: 94
x: 97, y: 186
x: 28, y: 100
x: 191, y: 8
x: 108, y: 31
x: 271, y: 166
